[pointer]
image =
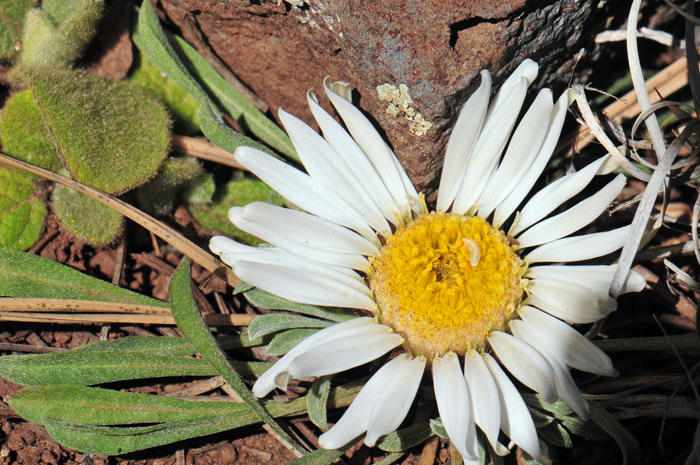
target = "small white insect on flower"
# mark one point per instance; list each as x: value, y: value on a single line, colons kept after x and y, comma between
x: 449, y: 289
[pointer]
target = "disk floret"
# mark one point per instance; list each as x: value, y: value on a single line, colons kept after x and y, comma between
x: 445, y: 281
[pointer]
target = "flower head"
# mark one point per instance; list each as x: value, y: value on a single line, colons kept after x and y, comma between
x: 450, y: 290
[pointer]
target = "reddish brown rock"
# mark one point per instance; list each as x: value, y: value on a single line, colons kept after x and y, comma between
x: 434, y: 47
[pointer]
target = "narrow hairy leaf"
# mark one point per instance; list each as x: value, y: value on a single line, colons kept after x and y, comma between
x: 213, y: 126
x: 109, y: 361
x: 263, y: 299
x: 97, y: 439
x: 631, y: 450
x: 406, y: 438
x: 319, y: 457
x: 26, y: 275
x: 236, y: 104
x: 286, y: 341
x: 317, y: 401
x: 96, y: 406
x: 191, y: 323
x: 274, y: 322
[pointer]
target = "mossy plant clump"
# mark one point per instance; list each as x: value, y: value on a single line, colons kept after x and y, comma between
x: 22, y: 210
x: 86, y: 218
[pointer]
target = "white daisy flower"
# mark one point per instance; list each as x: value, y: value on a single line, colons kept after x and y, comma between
x: 451, y: 289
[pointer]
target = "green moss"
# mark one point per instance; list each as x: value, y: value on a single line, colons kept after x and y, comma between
x: 86, y: 218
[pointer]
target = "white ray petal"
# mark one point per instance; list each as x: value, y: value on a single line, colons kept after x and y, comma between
x: 462, y: 141
x: 484, y: 398
x: 585, y: 247
x: 355, y: 420
x: 564, y: 383
x: 546, y: 200
x: 520, y: 154
x: 516, y: 420
x: 342, y: 354
x: 568, y: 345
x: 526, y: 71
x: 374, y: 147
x: 452, y: 396
x: 488, y: 148
x: 301, y: 190
x: 392, y: 405
x: 278, y: 372
x: 528, y: 179
x: 597, y: 278
x: 231, y: 252
x: 575, y: 217
x: 329, y: 169
x: 525, y: 363
x: 302, y: 286
x: 570, y: 302
x: 357, y: 162
x: 306, y: 229
x: 278, y: 238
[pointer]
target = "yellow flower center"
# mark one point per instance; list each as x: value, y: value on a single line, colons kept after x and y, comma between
x: 445, y: 281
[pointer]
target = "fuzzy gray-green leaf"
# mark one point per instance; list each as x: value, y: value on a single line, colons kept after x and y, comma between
x: 317, y: 401
x: 273, y: 322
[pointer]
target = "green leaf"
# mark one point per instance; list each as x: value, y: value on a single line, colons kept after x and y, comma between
x: 556, y: 434
x: 236, y: 104
x: 273, y: 322
x: 175, y: 177
x: 87, y: 219
x: 175, y: 57
x: 320, y: 457
x: 29, y: 276
x: 182, y: 106
x: 24, y: 134
x: 391, y: 458
x: 96, y: 406
x: 631, y: 450
x: 546, y: 452
x: 317, y: 401
x: 111, y: 135
x: 404, y: 439
x: 22, y: 212
x: 109, y: 361
x: 213, y: 126
x: 11, y: 16
x: 68, y: 414
x: 191, y: 323
x: 438, y: 428
x: 150, y: 38
x: 106, y: 440
x: 286, y: 341
x: 262, y: 299
x: 57, y: 34
x: 213, y: 212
